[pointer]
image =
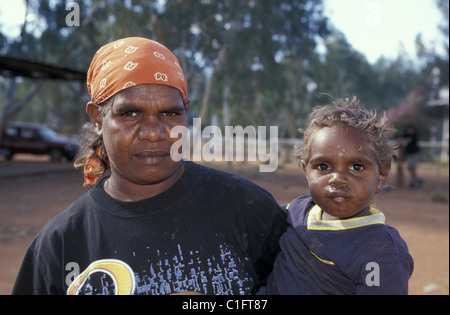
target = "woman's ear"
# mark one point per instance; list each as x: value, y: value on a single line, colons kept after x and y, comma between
x: 187, y: 104
x: 94, y: 114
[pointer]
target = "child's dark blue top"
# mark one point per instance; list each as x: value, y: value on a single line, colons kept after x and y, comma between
x: 361, y: 255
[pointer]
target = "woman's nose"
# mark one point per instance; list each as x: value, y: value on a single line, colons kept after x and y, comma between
x: 151, y: 130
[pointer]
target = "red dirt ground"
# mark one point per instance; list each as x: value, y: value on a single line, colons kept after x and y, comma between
x: 28, y: 202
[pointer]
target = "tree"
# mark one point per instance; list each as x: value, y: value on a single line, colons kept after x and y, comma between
x: 249, y: 62
x: 42, y: 48
x: 242, y: 47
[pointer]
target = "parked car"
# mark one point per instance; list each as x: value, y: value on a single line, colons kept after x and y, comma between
x: 36, y: 139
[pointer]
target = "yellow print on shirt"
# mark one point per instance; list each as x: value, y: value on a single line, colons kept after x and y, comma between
x: 120, y: 272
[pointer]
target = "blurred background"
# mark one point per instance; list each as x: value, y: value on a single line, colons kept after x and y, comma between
x: 247, y: 62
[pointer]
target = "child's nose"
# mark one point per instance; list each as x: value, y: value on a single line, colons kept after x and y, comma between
x: 338, y: 179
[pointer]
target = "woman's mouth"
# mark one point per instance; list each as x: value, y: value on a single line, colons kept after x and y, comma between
x: 151, y: 157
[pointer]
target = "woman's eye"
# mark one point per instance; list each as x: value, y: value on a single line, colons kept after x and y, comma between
x: 130, y: 114
x: 357, y: 167
x: 169, y: 114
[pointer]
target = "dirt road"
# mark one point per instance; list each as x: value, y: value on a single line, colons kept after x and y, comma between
x: 27, y: 203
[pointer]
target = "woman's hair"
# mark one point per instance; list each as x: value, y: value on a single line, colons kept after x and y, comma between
x: 90, y: 140
x: 347, y: 113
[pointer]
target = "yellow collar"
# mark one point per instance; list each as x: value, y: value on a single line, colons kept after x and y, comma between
x: 315, y: 221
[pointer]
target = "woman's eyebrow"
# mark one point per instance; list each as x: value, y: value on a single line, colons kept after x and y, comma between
x: 173, y: 108
x: 125, y: 107
x: 132, y: 107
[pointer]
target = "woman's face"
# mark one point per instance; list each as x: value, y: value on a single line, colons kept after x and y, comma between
x: 342, y: 172
x: 136, y: 136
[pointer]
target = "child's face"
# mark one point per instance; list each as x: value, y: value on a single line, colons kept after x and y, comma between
x: 342, y: 172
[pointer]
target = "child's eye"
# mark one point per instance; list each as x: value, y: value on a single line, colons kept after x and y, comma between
x: 357, y: 167
x: 322, y: 167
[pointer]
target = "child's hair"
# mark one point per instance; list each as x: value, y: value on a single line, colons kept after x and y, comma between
x: 347, y: 113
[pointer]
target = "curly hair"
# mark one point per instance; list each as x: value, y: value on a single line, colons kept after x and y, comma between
x: 348, y: 113
x: 90, y: 140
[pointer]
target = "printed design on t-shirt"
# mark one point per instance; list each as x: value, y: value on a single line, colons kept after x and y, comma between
x: 118, y: 271
x: 221, y: 273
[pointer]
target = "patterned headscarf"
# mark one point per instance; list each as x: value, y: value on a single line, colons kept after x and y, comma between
x: 132, y: 61
x: 122, y: 64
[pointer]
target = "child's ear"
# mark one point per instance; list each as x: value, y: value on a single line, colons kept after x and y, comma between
x: 384, y: 173
x: 303, y: 164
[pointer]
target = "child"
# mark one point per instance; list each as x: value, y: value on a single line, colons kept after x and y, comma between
x: 336, y: 243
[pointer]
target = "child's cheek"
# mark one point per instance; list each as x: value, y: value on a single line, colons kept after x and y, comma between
x: 316, y: 191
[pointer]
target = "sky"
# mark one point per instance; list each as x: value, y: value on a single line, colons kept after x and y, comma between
x: 373, y: 27
x: 379, y: 27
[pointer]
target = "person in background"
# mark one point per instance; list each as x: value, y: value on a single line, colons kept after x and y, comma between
x: 412, y: 155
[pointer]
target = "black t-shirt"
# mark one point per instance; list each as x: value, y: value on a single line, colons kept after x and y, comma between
x: 211, y: 232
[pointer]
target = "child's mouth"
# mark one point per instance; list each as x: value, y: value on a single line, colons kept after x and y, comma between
x: 338, y: 196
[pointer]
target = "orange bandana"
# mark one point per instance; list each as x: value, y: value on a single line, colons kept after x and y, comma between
x: 94, y: 167
x: 132, y: 61
x: 122, y: 64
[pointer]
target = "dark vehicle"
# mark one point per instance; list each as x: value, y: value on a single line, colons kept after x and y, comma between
x: 36, y: 139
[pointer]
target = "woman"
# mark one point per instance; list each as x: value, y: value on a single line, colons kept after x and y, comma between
x: 153, y: 225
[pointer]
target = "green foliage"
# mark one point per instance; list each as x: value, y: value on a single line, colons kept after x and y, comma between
x: 259, y: 57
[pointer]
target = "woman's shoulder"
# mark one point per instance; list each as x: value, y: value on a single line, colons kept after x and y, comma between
x: 212, y: 177
x: 69, y: 219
